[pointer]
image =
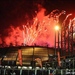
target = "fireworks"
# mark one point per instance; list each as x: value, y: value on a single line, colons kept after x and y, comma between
x: 41, y: 32
x: 42, y: 27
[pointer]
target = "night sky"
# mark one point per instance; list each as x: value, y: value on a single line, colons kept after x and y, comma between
x: 18, y: 13
x: 14, y: 12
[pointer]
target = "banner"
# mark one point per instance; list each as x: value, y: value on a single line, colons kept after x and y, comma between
x: 39, y: 61
x: 20, y: 56
x: 59, y: 62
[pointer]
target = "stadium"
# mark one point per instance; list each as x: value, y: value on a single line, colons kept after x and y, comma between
x: 36, y: 42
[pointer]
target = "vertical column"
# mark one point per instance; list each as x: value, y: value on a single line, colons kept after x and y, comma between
x: 61, y: 71
x: 58, y: 40
x: 72, y: 42
x: 35, y: 72
x: 48, y: 52
x: 61, y: 42
x: 20, y: 71
x: 68, y: 42
x: 73, y: 63
x: 45, y: 65
x: 55, y: 42
x: 62, y: 63
x: 73, y: 73
x: 55, y: 71
x: 64, y: 41
x: 28, y: 72
x: 4, y: 71
x: 49, y: 71
x: 33, y: 59
x: 42, y: 71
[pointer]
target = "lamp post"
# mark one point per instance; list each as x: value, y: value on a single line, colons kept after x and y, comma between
x: 56, y: 28
x: 58, y: 40
x: 55, y: 42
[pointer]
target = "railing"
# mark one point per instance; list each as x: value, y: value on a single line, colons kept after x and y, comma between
x: 37, y: 71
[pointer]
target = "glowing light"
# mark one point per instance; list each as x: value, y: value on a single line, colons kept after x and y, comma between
x: 24, y: 67
x: 5, y: 56
x: 43, y: 67
x: 57, y: 28
x: 37, y: 68
x: 9, y: 67
x: 30, y: 67
x: 19, y: 67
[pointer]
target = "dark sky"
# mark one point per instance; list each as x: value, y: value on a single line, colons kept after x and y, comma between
x: 17, y: 13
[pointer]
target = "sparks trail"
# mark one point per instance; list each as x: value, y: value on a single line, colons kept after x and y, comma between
x: 41, y: 26
x: 41, y: 32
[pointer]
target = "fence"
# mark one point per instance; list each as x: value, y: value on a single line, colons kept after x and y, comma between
x: 37, y: 72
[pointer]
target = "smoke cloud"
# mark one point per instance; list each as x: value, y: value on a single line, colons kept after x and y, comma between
x: 40, y: 30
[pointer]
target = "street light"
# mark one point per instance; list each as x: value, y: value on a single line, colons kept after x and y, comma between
x: 56, y: 28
